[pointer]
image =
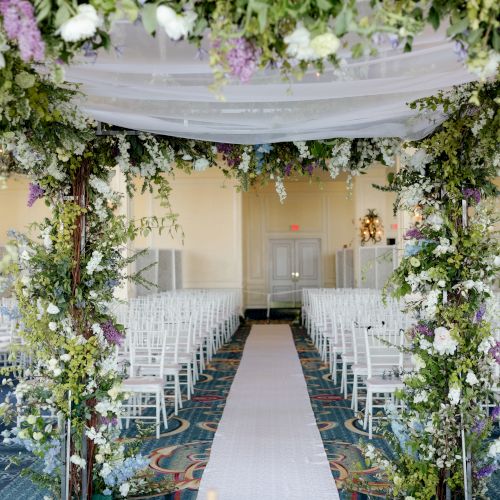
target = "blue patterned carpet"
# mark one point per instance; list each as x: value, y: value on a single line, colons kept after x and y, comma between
x: 183, y: 450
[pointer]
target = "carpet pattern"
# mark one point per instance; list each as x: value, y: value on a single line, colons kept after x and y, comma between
x: 183, y: 450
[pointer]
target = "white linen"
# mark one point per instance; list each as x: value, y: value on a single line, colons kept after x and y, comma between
x: 267, y: 445
x: 161, y: 86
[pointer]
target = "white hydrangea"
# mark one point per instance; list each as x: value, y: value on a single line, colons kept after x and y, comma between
x: 176, y: 26
x: 444, y: 343
x: 299, y: 44
x: 94, y: 263
x: 81, y: 26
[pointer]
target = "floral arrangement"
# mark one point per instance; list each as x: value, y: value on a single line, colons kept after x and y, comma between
x: 451, y: 258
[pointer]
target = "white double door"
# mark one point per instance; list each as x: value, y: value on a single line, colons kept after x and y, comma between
x: 294, y: 264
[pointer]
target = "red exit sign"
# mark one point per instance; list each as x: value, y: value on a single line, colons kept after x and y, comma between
x: 294, y: 227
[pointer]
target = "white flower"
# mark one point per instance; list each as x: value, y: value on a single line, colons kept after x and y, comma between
x: 106, y: 470
x: 81, y: 26
x: 93, y: 263
x: 418, y: 362
x: 454, y: 394
x: 99, y: 458
x: 435, y: 220
x: 25, y: 255
x: 175, y: 25
x: 65, y: 357
x: 494, y: 450
x: 444, y: 247
x: 37, y: 436
x: 124, y: 489
x: 114, y: 391
x: 201, y: 164
x: 486, y: 344
x: 53, y: 309
x: 52, y: 326
x: 471, y: 378
x: 299, y: 44
x: 420, y: 397
x: 31, y: 419
x: 443, y: 341
x: 79, y: 461
x: 496, y: 261
x: 325, y: 45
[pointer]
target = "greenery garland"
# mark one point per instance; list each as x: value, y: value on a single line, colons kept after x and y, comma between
x: 451, y: 258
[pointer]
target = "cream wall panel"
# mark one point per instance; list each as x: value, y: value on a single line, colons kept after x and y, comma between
x: 209, y: 209
x: 15, y: 213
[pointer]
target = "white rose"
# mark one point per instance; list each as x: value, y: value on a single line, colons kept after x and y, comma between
x: 53, y: 326
x: 81, y: 26
x: 471, y: 378
x: 201, y: 164
x: 325, y: 45
x: 175, y: 25
x: 454, y: 395
x: 299, y: 44
x: 124, y: 489
x: 494, y: 449
x: 52, y: 309
x: 443, y: 341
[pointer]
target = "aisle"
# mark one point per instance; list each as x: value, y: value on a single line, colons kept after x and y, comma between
x: 267, y: 444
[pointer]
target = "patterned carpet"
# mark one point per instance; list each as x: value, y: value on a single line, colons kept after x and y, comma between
x: 183, y: 450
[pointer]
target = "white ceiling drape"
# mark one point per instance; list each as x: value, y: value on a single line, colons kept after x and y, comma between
x: 159, y: 86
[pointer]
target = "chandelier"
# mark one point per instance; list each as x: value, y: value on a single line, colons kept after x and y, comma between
x: 371, y: 227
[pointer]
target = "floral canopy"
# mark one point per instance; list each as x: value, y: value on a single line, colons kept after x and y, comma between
x: 162, y: 86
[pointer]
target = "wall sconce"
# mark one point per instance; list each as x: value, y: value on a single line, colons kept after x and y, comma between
x: 371, y: 227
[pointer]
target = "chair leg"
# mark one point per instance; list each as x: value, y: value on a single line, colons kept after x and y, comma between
x: 157, y: 409
x: 164, y: 410
x: 354, y: 402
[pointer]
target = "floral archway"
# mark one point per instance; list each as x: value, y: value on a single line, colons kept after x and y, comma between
x: 65, y: 279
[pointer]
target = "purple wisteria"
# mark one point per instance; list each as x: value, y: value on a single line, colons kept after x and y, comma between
x: 480, y: 314
x: 243, y: 59
x: 495, y: 412
x: 473, y: 193
x: 486, y: 471
x: 414, y: 233
x: 35, y: 193
x: 495, y: 351
x: 479, y: 426
x: 112, y: 335
x: 20, y: 25
x: 421, y: 329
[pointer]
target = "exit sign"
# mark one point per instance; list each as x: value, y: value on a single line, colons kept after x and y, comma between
x: 294, y: 227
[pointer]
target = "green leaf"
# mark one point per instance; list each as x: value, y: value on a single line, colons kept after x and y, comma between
x: 433, y: 18
x: 342, y: 22
x: 62, y: 14
x: 148, y: 15
x: 324, y: 4
x: 458, y: 27
x: 496, y: 40
x: 43, y: 8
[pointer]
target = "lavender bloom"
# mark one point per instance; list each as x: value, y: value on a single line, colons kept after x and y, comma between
x: 20, y: 25
x: 310, y: 168
x: 421, y: 329
x: 109, y: 421
x: 414, y: 233
x: 480, y: 314
x: 112, y: 335
x: 35, y: 193
x: 485, y: 471
x: 495, y: 351
x: 288, y: 169
x: 495, y: 412
x: 473, y: 193
x: 243, y: 59
x: 479, y: 426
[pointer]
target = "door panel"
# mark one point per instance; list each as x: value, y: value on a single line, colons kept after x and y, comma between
x: 294, y: 264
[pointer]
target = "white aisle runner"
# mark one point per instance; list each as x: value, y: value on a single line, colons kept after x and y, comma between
x: 267, y: 445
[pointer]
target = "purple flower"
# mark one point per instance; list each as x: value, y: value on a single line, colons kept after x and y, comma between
x: 473, y: 193
x: 310, y: 168
x: 422, y: 329
x: 495, y: 412
x: 414, y: 233
x: 479, y: 426
x: 243, y: 59
x: 35, y: 193
x: 394, y: 40
x: 109, y: 421
x: 288, y: 169
x: 20, y: 25
x: 495, y: 351
x: 480, y: 314
x: 112, y: 335
x: 485, y: 471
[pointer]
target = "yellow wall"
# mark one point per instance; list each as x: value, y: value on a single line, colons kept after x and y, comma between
x: 13, y: 209
x: 209, y: 209
x: 322, y: 211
